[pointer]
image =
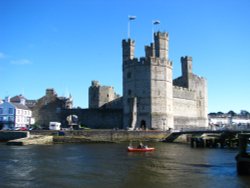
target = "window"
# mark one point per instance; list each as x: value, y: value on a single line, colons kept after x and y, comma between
x: 1, y: 111
x: 11, y: 111
x: 1, y: 118
x: 129, y: 75
x: 18, y: 119
x: 129, y: 92
x: 58, y: 110
x: 10, y: 118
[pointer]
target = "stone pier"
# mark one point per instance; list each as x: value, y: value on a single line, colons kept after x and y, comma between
x: 32, y: 140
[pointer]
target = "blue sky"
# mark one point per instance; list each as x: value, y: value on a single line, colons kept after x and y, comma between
x: 64, y: 44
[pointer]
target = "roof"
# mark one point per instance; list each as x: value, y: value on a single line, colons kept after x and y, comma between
x: 17, y: 98
x: 20, y: 106
x: 31, y: 103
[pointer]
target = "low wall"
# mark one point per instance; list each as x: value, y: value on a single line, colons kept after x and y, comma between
x: 103, y: 135
x: 11, y: 135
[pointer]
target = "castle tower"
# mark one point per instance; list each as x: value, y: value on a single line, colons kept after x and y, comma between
x: 147, y: 85
x: 100, y: 95
x: 161, y: 45
x: 94, y: 94
x: 186, y: 65
x: 161, y: 84
x: 128, y: 49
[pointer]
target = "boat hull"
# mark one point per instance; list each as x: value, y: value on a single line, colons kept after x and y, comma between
x: 140, y: 149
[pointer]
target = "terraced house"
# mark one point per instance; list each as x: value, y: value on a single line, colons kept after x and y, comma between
x: 15, y: 114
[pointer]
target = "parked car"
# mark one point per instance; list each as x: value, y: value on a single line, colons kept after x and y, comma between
x: 23, y: 129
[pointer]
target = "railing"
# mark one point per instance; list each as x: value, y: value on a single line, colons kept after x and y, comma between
x: 198, y: 129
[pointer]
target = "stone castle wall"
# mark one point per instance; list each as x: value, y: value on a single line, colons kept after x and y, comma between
x: 96, y: 118
x: 136, y: 83
x: 190, y: 104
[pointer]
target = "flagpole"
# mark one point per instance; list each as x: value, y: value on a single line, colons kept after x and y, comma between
x: 154, y: 22
x: 153, y: 31
x: 128, y: 28
x: 129, y: 19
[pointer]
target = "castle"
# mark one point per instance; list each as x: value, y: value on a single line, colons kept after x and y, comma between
x: 151, y: 98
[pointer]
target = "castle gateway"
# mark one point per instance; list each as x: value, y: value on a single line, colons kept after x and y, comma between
x: 151, y: 98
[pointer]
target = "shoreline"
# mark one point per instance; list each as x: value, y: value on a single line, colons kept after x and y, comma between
x: 41, y: 137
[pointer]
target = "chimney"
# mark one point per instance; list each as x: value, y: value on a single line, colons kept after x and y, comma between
x: 7, y: 99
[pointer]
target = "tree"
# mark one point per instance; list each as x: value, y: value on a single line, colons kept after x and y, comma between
x: 212, y: 114
x: 220, y: 113
x: 231, y: 113
x: 244, y: 113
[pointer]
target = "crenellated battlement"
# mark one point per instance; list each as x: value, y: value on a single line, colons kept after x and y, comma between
x: 182, y: 88
x: 159, y: 61
x: 128, y: 42
x: 95, y: 83
x: 186, y: 58
x: 183, y: 93
x: 161, y: 34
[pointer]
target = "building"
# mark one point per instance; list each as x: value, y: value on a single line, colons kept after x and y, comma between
x: 152, y: 99
x: 15, y: 114
x: 227, y: 121
x: 48, y: 108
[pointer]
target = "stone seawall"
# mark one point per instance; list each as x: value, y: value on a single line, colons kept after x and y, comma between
x: 11, y: 135
x: 32, y: 140
x: 102, y: 135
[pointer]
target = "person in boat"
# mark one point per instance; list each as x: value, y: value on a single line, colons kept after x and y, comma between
x: 140, y: 146
x: 130, y: 145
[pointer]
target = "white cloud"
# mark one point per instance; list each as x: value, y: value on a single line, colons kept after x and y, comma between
x: 21, y: 62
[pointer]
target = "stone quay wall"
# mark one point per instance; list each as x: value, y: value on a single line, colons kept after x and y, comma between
x: 32, y: 140
x: 11, y: 135
x: 76, y: 136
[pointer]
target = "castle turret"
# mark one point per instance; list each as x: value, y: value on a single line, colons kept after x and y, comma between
x: 150, y: 50
x: 94, y: 94
x: 161, y: 45
x: 186, y: 64
x: 128, y: 49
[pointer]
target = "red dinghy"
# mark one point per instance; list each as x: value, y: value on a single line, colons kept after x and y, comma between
x: 145, y: 149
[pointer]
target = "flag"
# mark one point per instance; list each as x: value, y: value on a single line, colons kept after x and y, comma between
x: 131, y: 17
x: 156, y: 22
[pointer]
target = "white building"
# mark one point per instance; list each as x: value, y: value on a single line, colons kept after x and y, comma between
x: 14, y: 115
x: 228, y: 122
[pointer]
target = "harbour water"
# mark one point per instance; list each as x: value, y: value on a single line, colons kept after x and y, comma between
x: 110, y: 165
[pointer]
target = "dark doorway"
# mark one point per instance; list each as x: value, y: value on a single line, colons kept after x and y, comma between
x: 143, y: 124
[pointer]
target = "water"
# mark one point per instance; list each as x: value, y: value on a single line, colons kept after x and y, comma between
x: 110, y: 165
